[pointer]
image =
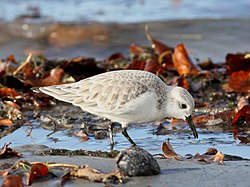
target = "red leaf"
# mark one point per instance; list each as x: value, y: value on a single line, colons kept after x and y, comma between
x: 245, y: 140
x: 158, y: 46
x: 137, y: 64
x: 241, y: 121
x: 210, y: 151
x: 37, y: 170
x: 7, y: 152
x: 169, y: 152
x: 239, y: 81
x: 13, y: 181
x: 135, y: 50
x: 4, y: 92
x: 182, y: 61
x: 6, y: 122
x: 237, y: 62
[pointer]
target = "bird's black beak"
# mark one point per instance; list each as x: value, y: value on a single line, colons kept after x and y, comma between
x: 191, y: 124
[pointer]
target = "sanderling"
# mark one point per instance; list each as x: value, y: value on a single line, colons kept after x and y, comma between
x: 127, y: 96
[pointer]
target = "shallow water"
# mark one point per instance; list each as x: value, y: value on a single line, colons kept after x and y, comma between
x: 143, y: 136
x: 124, y: 11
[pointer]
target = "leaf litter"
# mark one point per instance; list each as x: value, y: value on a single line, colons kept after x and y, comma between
x: 223, y: 85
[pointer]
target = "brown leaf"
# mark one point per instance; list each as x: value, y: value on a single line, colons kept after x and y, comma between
x: 241, y: 121
x: 13, y: 181
x: 243, y: 139
x: 183, y: 82
x: 182, y: 61
x: 200, y: 158
x: 54, y: 78
x: 7, y: 152
x: 135, y: 50
x: 91, y: 174
x: 218, y: 158
x: 158, y: 46
x: 4, y: 92
x: 12, y: 59
x: 169, y: 152
x: 137, y: 64
x: 211, y: 151
x: 37, y: 170
x: 81, y: 68
x: 6, y: 122
x: 237, y: 62
x: 239, y: 81
x: 150, y: 65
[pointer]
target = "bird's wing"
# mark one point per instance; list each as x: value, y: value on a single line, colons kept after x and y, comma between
x: 99, y: 93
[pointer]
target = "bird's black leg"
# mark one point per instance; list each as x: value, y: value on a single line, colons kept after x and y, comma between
x: 125, y: 133
x: 112, y: 143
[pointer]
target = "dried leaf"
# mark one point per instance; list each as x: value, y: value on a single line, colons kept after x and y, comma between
x: 7, y: 152
x: 37, y: 170
x: 80, y: 68
x: 241, y: 121
x: 54, y: 78
x: 218, y: 158
x: 135, y: 50
x: 6, y: 122
x: 200, y: 158
x: 182, y: 61
x: 13, y: 181
x: 5, y: 92
x: 169, y: 152
x: 158, y: 46
x: 211, y: 151
x: 243, y: 139
x: 237, y: 62
x: 137, y: 64
x: 239, y: 81
x: 91, y: 174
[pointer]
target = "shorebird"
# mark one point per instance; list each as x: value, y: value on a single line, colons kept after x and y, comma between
x: 127, y: 96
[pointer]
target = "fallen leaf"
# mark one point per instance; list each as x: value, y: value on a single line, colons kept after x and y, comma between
x: 135, y: 50
x: 244, y: 139
x: 54, y: 78
x: 12, y: 181
x: 5, y: 92
x: 91, y: 174
x: 7, y: 152
x: 37, y: 170
x: 237, y: 62
x: 169, y: 152
x: 218, y: 158
x: 137, y: 64
x: 6, y: 122
x: 241, y: 121
x: 80, y: 68
x: 158, y: 46
x: 200, y: 158
x: 182, y: 61
x: 239, y: 81
x: 211, y: 151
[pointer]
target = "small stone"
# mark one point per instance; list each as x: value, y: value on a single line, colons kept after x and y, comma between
x: 135, y: 161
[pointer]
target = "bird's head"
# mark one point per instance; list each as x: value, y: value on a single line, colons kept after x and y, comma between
x: 181, y: 106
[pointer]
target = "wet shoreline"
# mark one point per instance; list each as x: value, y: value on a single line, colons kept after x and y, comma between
x: 204, y: 38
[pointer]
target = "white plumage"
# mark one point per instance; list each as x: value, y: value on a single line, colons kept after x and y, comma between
x: 126, y: 96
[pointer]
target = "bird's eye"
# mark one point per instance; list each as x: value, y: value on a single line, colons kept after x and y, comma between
x: 183, y: 106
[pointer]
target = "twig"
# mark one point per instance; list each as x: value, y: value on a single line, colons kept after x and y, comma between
x: 23, y: 64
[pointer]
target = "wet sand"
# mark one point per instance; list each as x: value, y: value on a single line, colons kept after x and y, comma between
x: 173, y: 173
x: 203, y: 38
